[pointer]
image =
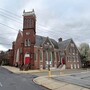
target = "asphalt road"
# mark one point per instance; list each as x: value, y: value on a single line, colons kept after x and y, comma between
x: 81, y: 79
x: 11, y: 81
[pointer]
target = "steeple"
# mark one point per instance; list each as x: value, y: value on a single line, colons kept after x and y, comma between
x: 29, y: 20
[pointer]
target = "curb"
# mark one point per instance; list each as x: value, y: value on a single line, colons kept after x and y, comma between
x: 68, y: 85
x: 40, y: 84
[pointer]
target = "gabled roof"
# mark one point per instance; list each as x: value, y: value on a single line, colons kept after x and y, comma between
x: 63, y: 44
x: 41, y: 39
x: 20, y: 35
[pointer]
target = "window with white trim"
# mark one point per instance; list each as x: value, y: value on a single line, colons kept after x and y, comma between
x: 27, y: 33
x: 50, y: 56
x: 26, y: 42
x: 41, y: 55
x: 29, y: 42
x: 46, y: 56
x: 55, y: 56
x: 35, y: 56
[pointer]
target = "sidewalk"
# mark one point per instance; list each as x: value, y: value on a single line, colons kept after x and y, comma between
x: 56, y: 85
x: 18, y: 71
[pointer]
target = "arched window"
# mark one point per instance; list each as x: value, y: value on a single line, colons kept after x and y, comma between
x: 41, y: 55
x: 55, y: 56
x: 29, y: 42
x: 46, y: 56
x: 35, y: 56
x: 50, y: 56
x: 26, y: 42
x: 30, y: 23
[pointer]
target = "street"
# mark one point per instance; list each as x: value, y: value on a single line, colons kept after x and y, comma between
x: 11, y: 81
x: 81, y: 79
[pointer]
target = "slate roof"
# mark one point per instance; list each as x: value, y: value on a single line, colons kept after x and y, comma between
x: 63, y: 44
x: 41, y: 39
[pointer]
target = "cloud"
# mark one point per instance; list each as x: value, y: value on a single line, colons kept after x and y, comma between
x: 59, y: 18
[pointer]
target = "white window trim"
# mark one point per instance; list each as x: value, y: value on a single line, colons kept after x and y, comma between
x: 55, y: 56
x: 29, y: 42
x: 41, y: 52
x: 51, y: 56
x: 36, y: 56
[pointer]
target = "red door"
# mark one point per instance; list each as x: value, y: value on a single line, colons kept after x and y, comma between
x: 63, y: 60
x: 27, y: 60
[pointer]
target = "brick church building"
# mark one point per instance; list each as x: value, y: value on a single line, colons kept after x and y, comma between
x: 39, y: 52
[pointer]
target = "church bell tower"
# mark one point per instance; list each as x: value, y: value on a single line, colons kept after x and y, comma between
x: 29, y: 34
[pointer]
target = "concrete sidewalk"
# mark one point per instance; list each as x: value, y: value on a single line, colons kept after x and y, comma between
x: 56, y: 85
x: 17, y: 70
x: 66, y: 71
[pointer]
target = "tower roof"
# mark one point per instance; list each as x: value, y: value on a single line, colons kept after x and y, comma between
x: 29, y: 13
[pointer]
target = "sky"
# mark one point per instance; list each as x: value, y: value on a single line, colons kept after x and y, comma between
x: 55, y: 18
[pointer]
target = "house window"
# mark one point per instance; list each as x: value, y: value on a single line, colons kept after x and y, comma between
x: 25, y: 23
x: 28, y: 23
x: 67, y: 59
x: 29, y: 42
x: 70, y: 59
x: 35, y: 56
x: 70, y: 50
x: 26, y: 42
x: 47, y: 43
x: 55, y: 56
x: 74, y: 59
x: 41, y: 55
x: 73, y: 49
x: 27, y: 33
x: 46, y: 56
x: 77, y: 59
x: 72, y: 45
x: 77, y: 52
x: 50, y: 56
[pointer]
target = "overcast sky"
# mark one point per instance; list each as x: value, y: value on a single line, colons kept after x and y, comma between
x: 55, y: 18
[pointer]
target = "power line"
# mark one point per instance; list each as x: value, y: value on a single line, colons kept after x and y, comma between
x: 10, y: 15
x: 10, y: 18
x: 9, y: 27
x: 5, y: 43
x: 21, y: 23
x: 3, y: 37
x: 54, y: 34
x: 10, y: 12
x: 7, y: 33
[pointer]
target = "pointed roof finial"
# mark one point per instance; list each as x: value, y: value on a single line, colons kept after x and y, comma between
x: 33, y: 10
x: 23, y: 11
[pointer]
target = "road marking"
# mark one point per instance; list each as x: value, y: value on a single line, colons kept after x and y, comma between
x: 0, y: 84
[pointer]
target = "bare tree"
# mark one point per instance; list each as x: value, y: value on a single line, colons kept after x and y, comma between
x: 84, y: 53
x: 3, y: 57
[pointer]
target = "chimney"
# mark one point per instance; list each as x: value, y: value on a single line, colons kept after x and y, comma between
x: 60, y: 40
